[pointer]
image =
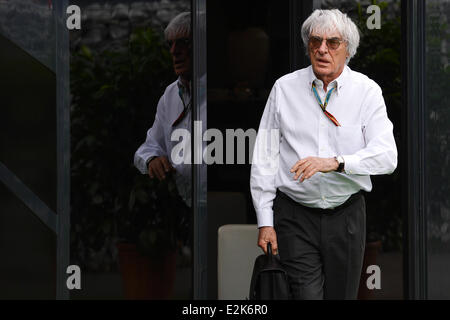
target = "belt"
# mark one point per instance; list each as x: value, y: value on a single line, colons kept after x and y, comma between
x: 354, y: 197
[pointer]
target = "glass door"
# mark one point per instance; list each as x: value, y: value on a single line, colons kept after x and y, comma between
x: 130, y: 81
x: 250, y: 45
x: 436, y: 144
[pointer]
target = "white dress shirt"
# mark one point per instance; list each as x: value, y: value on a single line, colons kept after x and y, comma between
x: 158, y: 142
x: 365, y: 140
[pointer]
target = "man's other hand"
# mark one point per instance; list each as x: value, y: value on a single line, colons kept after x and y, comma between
x: 310, y: 165
x: 158, y: 167
x: 267, y: 234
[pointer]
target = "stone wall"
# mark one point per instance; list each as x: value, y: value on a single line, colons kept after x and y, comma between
x: 106, y: 26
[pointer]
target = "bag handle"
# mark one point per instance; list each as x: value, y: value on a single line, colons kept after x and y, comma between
x: 269, y: 249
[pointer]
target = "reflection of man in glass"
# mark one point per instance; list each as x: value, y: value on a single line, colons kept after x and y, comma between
x: 334, y: 134
x: 173, y: 112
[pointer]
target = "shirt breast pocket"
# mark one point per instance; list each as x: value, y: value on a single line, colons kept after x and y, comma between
x: 348, y: 139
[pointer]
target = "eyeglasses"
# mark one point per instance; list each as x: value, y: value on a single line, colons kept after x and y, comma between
x: 182, y: 42
x: 332, y: 43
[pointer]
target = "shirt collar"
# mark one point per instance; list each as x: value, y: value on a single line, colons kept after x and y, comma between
x: 340, y: 81
x: 182, y: 87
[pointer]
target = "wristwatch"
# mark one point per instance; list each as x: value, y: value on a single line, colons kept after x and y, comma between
x: 341, y: 162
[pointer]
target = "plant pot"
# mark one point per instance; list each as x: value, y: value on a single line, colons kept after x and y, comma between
x: 146, y: 278
x: 370, y: 258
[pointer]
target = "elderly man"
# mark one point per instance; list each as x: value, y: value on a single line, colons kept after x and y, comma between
x: 333, y: 134
x: 173, y: 112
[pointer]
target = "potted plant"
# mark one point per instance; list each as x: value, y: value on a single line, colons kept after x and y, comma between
x: 372, y: 248
x: 150, y: 237
x: 114, y: 99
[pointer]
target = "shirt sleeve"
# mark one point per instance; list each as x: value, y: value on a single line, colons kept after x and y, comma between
x: 265, y: 162
x: 154, y: 145
x: 380, y: 153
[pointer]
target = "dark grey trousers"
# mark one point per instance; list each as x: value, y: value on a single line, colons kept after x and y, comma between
x: 322, y: 250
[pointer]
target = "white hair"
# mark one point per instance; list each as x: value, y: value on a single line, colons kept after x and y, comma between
x: 181, y: 24
x: 323, y: 21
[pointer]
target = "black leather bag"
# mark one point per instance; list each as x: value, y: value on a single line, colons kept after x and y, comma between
x: 269, y: 279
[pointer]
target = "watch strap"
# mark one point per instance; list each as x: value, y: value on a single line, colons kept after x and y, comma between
x: 341, y: 162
